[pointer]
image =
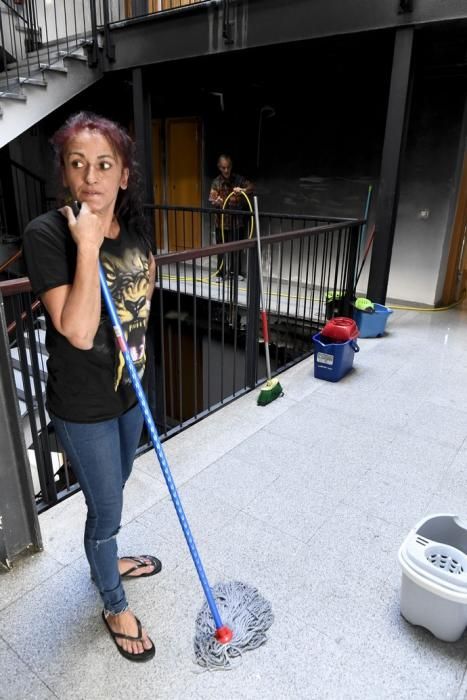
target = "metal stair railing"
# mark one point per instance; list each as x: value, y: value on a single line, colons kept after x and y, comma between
x: 36, y: 35
x: 27, y: 357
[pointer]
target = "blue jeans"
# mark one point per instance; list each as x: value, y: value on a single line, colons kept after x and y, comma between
x: 101, y: 455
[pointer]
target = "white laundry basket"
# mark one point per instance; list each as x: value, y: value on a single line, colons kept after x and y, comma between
x: 434, y: 575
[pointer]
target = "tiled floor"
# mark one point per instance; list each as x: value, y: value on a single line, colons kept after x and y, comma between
x: 309, y: 499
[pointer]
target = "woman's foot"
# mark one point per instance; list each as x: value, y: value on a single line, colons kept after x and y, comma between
x: 131, y: 639
x: 139, y: 567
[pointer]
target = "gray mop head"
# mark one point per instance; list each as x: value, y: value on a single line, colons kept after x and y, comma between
x: 248, y: 615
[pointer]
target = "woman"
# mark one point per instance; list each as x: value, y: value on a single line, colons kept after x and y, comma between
x: 90, y: 399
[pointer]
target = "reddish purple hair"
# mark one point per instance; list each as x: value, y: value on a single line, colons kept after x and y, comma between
x: 115, y: 134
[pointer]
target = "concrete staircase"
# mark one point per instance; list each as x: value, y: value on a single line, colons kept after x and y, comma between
x: 30, y: 99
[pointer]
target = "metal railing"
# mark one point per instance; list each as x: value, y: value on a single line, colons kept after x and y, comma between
x: 51, y: 476
x: 204, y: 344
x: 30, y: 192
x: 37, y: 34
x: 126, y: 10
x: 208, y: 347
x: 180, y: 228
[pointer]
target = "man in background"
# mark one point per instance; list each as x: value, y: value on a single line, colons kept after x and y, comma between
x: 233, y: 227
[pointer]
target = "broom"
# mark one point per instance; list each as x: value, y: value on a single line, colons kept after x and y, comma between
x: 272, y: 389
x: 248, y: 614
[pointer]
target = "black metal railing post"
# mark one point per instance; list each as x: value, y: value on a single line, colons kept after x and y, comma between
x: 19, y: 525
x: 109, y: 44
x: 93, y: 56
x: 226, y: 28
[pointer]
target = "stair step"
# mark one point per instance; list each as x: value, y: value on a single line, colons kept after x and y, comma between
x: 16, y: 363
x: 40, y: 341
x: 20, y: 386
x: 33, y: 81
x: 57, y: 463
x: 53, y: 67
x: 13, y: 96
x: 76, y: 56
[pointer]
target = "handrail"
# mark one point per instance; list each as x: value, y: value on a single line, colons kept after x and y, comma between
x: 22, y: 284
x: 213, y: 210
x: 12, y: 326
x: 9, y: 288
x: 13, y: 258
x: 18, y: 14
x: 220, y: 248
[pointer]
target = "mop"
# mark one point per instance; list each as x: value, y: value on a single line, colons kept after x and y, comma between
x: 246, y: 616
x: 272, y: 389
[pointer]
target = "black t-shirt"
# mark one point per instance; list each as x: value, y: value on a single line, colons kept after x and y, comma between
x: 87, y: 386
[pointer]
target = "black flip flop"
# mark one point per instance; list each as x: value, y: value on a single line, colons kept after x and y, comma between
x: 146, y: 655
x: 140, y: 563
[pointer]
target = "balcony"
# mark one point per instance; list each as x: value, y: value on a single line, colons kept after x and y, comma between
x: 308, y: 498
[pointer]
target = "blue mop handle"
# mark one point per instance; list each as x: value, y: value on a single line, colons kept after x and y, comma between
x: 109, y: 302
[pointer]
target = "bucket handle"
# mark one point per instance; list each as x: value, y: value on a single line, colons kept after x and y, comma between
x: 354, y: 346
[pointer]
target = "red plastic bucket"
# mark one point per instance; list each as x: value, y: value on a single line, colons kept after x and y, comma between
x: 340, y: 329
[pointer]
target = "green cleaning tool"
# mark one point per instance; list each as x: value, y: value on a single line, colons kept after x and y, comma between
x: 363, y: 304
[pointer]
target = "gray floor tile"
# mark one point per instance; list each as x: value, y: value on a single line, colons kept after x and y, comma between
x: 294, y: 510
x: 62, y: 529
x: 141, y: 492
x: 382, y: 496
x: 424, y: 462
x: 18, y: 682
x: 235, y: 481
x: 258, y: 546
x: 447, y: 426
x: 27, y: 573
x: 305, y: 424
x: 371, y: 411
x: 359, y: 542
x: 207, y: 516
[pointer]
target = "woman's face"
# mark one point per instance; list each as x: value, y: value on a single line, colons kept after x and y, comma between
x: 93, y: 171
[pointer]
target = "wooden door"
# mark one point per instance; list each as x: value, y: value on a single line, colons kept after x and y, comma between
x: 153, y: 6
x: 456, y: 273
x: 169, y: 4
x: 183, y: 139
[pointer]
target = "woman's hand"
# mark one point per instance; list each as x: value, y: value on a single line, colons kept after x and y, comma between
x: 87, y: 229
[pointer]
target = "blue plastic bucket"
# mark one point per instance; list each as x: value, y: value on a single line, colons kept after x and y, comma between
x: 372, y: 325
x: 333, y: 360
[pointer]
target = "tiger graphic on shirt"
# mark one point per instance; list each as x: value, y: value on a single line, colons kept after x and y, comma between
x: 128, y: 278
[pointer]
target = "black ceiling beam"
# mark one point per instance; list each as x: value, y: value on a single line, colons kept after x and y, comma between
x: 199, y: 29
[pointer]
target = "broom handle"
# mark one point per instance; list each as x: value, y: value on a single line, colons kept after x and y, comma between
x: 367, y: 248
x: 158, y: 447
x: 264, y: 318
